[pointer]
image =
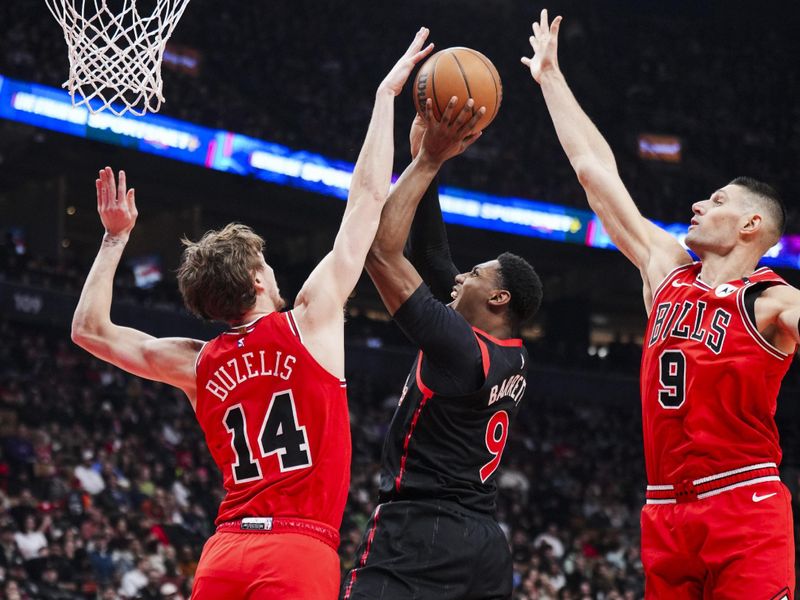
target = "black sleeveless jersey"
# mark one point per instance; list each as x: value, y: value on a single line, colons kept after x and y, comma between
x: 449, y: 447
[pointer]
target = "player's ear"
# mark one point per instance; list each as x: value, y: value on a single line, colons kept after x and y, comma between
x: 753, y: 224
x: 499, y: 297
x: 258, y: 281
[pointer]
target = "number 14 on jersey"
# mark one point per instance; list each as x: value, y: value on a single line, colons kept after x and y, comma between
x: 279, y: 433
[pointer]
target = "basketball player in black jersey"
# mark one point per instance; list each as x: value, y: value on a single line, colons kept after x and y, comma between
x: 433, y: 535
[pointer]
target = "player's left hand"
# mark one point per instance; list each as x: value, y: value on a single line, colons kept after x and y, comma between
x: 115, y: 203
x: 451, y: 135
x: 544, y: 42
x: 397, y: 77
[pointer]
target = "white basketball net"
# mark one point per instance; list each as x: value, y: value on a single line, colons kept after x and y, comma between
x: 115, y: 56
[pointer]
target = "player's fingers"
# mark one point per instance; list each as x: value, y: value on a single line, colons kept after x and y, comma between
x: 428, y: 116
x: 555, y: 26
x: 544, y: 24
x: 448, y: 110
x: 473, y: 121
x: 106, y: 184
x: 525, y: 61
x: 418, y: 41
x: 131, y: 198
x: 422, y: 53
x: 99, y: 186
x: 465, y: 115
x: 111, y: 186
x: 536, y: 29
x: 122, y: 189
x: 471, y: 139
x: 535, y: 44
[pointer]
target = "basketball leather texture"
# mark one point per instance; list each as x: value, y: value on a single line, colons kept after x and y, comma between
x: 460, y: 72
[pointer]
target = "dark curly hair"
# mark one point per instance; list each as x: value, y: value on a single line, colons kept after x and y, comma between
x: 519, y: 278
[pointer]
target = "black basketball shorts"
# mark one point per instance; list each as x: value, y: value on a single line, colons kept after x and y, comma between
x: 430, y: 550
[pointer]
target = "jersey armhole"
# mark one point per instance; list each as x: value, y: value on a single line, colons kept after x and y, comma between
x: 197, y: 360
x: 669, y: 277
x: 746, y: 303
x: 294, y: 327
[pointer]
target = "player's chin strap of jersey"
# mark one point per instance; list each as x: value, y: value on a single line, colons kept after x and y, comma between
x: 691, y: 490
x: 321, y: 531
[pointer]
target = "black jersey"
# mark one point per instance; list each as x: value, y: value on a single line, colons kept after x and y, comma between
x: 449, y: 447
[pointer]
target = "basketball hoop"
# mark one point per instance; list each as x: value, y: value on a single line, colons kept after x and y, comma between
x: 115, y: 56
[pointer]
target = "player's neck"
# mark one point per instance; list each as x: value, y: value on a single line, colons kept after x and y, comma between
x: 261, y: 308
x: 494, y: 325
x: 717, y: 270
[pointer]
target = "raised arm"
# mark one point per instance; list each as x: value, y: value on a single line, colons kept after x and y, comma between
x: 393, y: 274
x: 427, y: 247
x: 650, y: 248
x: 319, y: 305
x: 169, y: 360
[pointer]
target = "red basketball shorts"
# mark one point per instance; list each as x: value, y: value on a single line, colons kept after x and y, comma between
x: 266, y: 566
x: 735, y: 545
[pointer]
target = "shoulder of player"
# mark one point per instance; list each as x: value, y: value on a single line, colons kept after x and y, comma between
x: 661, y: 267
x: 780, y: 296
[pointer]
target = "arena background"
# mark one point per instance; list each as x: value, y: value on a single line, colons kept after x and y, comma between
x: 106, y: 488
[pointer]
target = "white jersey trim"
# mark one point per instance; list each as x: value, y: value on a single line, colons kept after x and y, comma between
x: 299, y: 333
x: 669, y: 277
x: 766, y: 465
x: 197, y: 359
x: 733, y: 486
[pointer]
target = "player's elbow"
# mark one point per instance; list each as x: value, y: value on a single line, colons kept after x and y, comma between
x: 376, y: 258
x: 588, y: 172
x: 85, y: 331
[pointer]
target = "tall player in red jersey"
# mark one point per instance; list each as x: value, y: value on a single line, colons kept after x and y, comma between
x: 720, y: 337
x: 269, y: 392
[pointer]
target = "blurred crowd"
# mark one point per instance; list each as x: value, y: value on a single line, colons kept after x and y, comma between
x: 107, y: 490
x: 303, y: 73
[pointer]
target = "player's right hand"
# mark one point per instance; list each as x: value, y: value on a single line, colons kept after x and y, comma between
x: 452, y: 134
x: 115, y: 203
x: 544, y: 42
x: 398, y: 76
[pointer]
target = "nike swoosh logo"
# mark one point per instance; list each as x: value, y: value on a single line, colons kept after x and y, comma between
x: 680, y: 284
x: 757, y: 498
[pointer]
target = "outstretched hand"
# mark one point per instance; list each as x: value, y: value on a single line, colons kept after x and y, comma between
x: 544, y: 42
x: 115, y: 203
x: 451, y: 135
x: 397, y: 77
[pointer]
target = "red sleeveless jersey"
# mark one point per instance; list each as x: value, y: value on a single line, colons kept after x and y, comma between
x: 276, y: 423
x: 709, y: 380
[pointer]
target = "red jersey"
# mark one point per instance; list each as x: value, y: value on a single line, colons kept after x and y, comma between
x: 709, y: 380
x: 276, y: 423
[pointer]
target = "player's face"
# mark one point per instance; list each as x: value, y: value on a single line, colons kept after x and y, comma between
x: 267, y: 276
x: 717, y: 221
x: 472, y: 289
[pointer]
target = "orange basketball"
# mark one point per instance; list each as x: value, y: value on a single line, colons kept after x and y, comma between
x: 460, y: 72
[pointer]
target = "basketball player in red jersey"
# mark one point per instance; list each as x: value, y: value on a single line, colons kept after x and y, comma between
x: 720, y: 337
x: 268, y: 392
